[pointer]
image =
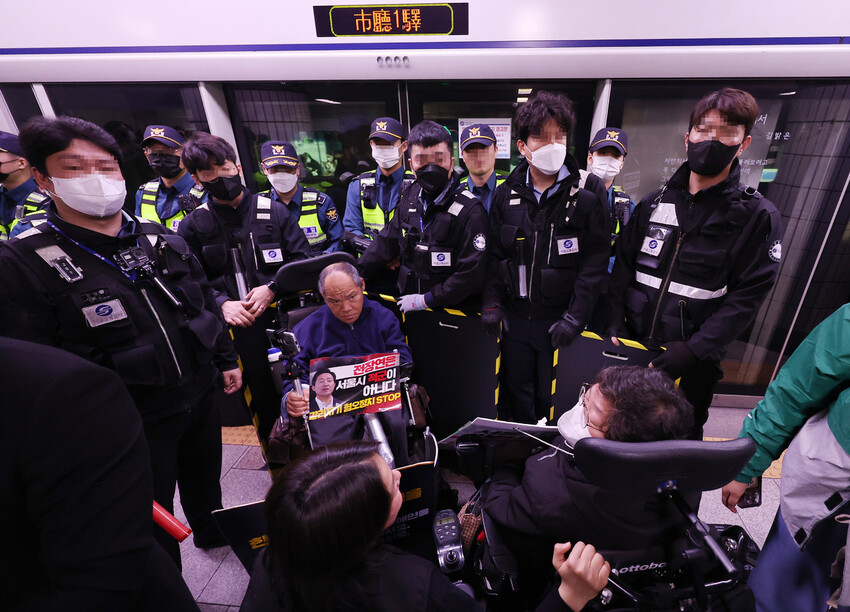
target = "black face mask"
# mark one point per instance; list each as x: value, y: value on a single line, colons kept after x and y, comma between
x: 710, y: 157
x: 432, y: 178
x: 5, y: 175
x: 224, y: 188
x: 165, y: 164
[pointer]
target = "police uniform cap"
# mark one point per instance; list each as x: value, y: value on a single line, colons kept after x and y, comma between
x: 10, y: 144
x: 165, y: 135
x: 610, y: 137
x: 479, y: 133
x: 387, y: 128
x: 278, y: 153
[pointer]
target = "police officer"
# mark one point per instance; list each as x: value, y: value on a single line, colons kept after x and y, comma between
x: 19, y: 195
x: 126, y: 294
x: 315, y: 211
x: 699, y: 256
x: 606, y: 157
x: 478, y: 149
x: 440, y: 231
x: 550, y: 248
x: 241, y: 240
x: 173, y: 195
x: 372, y: 196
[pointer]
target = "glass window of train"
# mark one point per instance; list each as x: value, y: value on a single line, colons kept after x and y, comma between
x: 799, y: 159
x: 124, y: 109
x: 327, y: 123
x: 447, y: 101
x: 21, y: 102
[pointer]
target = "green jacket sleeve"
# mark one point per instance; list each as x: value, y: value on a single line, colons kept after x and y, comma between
x: 809, y: 382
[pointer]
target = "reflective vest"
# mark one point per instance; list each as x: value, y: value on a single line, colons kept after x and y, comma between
x: 150, y: 191
x: 308, y: 220
x: 33, y: 203
x: 374, y: 217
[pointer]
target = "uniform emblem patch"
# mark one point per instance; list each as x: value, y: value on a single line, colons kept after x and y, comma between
x: 440, y: 260
x: 106, y: 312
x: 272, y: 256
x: 775, y: 251
x: 331, y: 215
x: 311, y: 231
x: 567, y: 246
x: 479, y: 242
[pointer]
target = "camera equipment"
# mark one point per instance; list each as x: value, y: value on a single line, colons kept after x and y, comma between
x: 134, y: 259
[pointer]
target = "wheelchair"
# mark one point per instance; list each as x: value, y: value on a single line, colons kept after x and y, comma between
x: 694, y: 566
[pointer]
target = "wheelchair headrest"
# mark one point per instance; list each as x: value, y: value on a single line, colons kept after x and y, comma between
x: 641, y: 468
x: 303, y: 275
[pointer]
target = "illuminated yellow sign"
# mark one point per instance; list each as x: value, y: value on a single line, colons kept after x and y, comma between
x: 392, y: 20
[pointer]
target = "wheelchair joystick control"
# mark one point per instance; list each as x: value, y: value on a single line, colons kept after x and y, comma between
x: 448, y: 540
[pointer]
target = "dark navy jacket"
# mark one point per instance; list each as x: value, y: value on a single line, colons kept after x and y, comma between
x: 323, y: 335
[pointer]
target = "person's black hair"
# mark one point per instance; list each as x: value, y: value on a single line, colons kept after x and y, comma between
x: 325, y: 511
x: 41, y: 137
x: 646, y: 405
x: 540, y: 108
x: 319, y: 372
x: 737, y: 106
x: 201, y: 151
x: 428, y: 134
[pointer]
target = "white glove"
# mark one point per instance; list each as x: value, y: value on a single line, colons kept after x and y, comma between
x: 412, y: 303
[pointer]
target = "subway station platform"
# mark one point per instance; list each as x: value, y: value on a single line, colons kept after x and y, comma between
x: 218, y: 581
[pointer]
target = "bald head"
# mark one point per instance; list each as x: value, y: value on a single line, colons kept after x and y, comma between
x: 342, y: 288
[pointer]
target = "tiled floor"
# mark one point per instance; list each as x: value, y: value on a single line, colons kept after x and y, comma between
x: 218, y: 581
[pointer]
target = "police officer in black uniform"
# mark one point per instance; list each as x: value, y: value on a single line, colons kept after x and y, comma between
x: 19, y: 195
x: 127, y: 294
x: 439, y: 232
x: 699, y: 256
x: 315, y: 211
x: 550, y: 247
x: 241, y: 240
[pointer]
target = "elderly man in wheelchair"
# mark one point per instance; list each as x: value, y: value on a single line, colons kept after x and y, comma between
x: 621, y: 477
x: 322, y: 335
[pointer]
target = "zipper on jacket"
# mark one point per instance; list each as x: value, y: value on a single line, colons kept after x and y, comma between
x: 164, y: 335
x: 664, y: 286
x: 533, y: 259
x: 682, y: 305
x: 549, y: 252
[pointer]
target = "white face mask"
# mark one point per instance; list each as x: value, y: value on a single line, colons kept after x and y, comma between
x: 283, y: 182
x: 606, y: 167
x: 549, y: 158
x: 387, y: 156
x: 93, y: 194
x: 571, y: 425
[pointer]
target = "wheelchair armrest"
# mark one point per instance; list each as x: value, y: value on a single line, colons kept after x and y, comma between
x: 502, y: 557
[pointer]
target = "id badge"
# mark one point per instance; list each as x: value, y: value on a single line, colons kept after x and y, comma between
x: 271, y: 256
x: 105, y: 312
x: 653, y: 242
x: 567, y: 246
x: 311, y: 231
x: 441, y: 259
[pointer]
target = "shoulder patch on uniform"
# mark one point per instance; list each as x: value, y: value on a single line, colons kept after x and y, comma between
x: 331, y: 214
x: 479, y: 242
x: 775, y: 251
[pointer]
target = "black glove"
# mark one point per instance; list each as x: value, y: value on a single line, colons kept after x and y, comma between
x: 676, y: 360
x: 493, y: 321
x: 564, y: 330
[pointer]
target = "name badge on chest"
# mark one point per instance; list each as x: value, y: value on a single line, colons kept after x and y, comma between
x: 439, y: 260
x: 652, y: 246
x: 272, y: 256
x: 174, y: 225
x: 311, y: 231
x: 105, y: 312
x: 567, y: 246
